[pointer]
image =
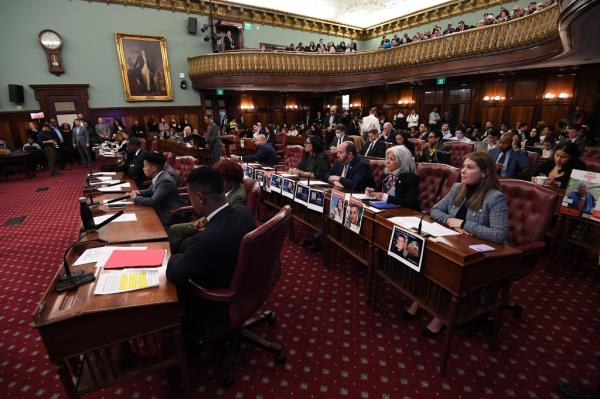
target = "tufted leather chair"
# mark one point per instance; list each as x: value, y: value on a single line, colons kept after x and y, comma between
x: 230, y: 144
x: 154, y: 145
x: 534, y: 159
x: 183, y: 166
x: 332, y: 156
x: 418, y: 143
x: 170, y: 158
x: 143, y: 144
x: 256, y: 272
x: 292, y: 156
x: 530, y: 211
x: 280, y: 139
x: 252, y: 193
x: 378, y: 169
x: 430, y: 177
x: 591, y: 153
x: 592, y: 164
x: 458, y: 151
x: 359, y: 142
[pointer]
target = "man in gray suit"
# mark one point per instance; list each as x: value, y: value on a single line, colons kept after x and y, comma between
x: 162, y: 194
x: 213, y: 139
x: 81, y: 141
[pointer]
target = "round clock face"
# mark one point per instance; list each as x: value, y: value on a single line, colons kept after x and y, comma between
x: 50, y: 40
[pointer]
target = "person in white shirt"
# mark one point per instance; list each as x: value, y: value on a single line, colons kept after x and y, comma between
x: 460, y: 136
x: 446, y: 133
x: 434, y: 118
x: 369, y: 123
x: 412, y: 119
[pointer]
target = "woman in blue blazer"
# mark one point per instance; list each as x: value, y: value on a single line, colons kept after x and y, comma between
x: 475, y: 206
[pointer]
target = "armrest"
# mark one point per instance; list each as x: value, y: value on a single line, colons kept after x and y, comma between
x: 216, y: 295
x: 182, y: 210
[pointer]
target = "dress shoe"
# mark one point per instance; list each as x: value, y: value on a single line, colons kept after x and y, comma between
x: 408, y: 316
x: 427, y: 333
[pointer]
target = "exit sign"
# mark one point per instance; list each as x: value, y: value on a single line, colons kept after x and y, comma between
x: 220, y: 92
x: 247, y: 26
x: 440, y: 80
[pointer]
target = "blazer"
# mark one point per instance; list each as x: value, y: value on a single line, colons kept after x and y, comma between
x: 334, y: 141
x: 337, y: 118
x: 488, y: 223
x: 319, y: 165
x: 265, y: 154
x: 518, y: 162
x: 358, y: 176
x: 378, y: 150
x: 406, y: 190
x: 237, y: 196
x: 213, y: 138
x: 134, y: 167
x: 81, y: 135
x: 162, y: 196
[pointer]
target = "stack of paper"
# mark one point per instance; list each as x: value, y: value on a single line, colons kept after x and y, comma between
x: 313, y: 183
x: 100, y: 255
x: 117, y: 187
x: 116, y: 281
x: 121, y: 202
x: 126, y: 217
x: 104, y: 174
x: 433, y: 229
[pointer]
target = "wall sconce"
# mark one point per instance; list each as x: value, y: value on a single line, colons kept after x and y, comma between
x: 354, y: 105
x: 406, y: 102
x: 291, y: 106
x: 246, y: 107
x: 328, y: 106
x: 493, y: 98
x: 553, y: 96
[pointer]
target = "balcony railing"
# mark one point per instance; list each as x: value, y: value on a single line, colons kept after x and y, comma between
x: 519, y: 33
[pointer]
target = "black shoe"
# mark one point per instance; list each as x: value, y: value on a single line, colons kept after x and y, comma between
x: 427, y: 333
x: 407, y: 316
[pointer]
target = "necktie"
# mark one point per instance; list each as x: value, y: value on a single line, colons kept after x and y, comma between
x: 501, y: 160
x: 344, y: 171
x: 339, y: 141
x: 369, y: 148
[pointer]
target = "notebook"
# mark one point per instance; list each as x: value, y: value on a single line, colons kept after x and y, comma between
x: 383, y: 205
x: 144, y: 258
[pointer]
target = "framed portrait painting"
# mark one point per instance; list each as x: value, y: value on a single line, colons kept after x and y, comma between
x: 144, y: 67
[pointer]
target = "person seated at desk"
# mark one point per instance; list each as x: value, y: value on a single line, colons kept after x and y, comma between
x: 211, y: 255
x: 401, y: 185
x: 162, y: 194
x: 198, y: 140
x: 340, y: 136
x: 235, y: 194
x: 350, y: 170
x: 434, y: 151
x: 134, y: 163
x: 512, y: 164
x: 265, y: 153
x: 475, y: 206
x: 122, y: 140
x: 187, y: 135
x: 374, y: 147
x: 402, y: 139
x: 558, y: 170
x: 314, y: 163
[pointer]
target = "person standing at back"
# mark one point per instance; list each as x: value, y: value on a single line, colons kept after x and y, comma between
x: 213, y: 139
x: 81, y: 142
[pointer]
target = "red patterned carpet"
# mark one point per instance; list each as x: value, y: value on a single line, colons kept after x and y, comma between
x: 337, y: 347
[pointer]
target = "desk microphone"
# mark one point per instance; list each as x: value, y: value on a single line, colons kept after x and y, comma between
x: 71, y: 280
x: 437, y: 194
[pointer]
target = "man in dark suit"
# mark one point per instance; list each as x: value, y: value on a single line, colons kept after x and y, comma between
x: 510, y: 163
x: 60, y: 143
x: 211, y: 255
x: 162, y: 194
x: 134, y: 163
x: 229, y: 43
x: 340, y: 136
x: 350, y: 170
x: 213, y: 139
x: 388, y: 133
x: 333, y: 119
x: 375, y: 147
x: 265, y: 153
x: 81, y: 142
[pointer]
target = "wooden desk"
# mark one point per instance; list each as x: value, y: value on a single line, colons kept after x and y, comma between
x: 18, y: 160
x: 455, y: 284
x: 91, y: 338
x: 203, y: 155
x: 99, y: 207
x: 147, y: 228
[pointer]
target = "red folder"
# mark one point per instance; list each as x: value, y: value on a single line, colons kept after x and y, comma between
x: 139, y: 258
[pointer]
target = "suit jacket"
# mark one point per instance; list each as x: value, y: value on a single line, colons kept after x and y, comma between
x: 337, y: 118
x: 237, y: 196
x: 81, y: 135
x: 377, y: 151
x: 518, y: 163
x: 213, y: 135
x: 488, y: 223
x: 162, y: 196
x: 134, y: 167
x: 406, y: 190
x: 358, y: 176
x: 265, y: 154
x: 335, y: 140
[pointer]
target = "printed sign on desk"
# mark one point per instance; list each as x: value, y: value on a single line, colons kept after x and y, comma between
x: 407, y: 247
x: 316, y: 199
x: 288, y: 188
x: 582, y: 197
x: 302, y: 194
x: 336, y: 206
x: 276, y: 183
x: 354, y: 215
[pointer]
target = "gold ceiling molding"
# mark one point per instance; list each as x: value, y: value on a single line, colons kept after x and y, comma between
x: 499, y: 38
x: 266, y: 16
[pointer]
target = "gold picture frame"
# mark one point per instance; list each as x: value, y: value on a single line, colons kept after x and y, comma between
x: 144, y: 67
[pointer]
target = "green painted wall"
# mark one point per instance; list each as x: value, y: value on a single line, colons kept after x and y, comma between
x: 470, y: 18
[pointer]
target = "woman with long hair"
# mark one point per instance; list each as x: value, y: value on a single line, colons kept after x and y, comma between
x: 476, y: 207
x: 314, y: 163
x: 558, y: 170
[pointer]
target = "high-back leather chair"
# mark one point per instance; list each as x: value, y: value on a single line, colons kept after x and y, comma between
x: 252, y: 193
x: 592, y: 153
x: 530, y: 211
x: 143, y: 144
x: 256, y: 272
x: 359, y: 142
x: 170, y: 158
x: 378, y: 169
x: 154, y: 145
x: 592, y: 165
x: 534, y: 159
x: 183, y: 166
x: 292, y: 156
x: 280, y: 139
x: 458, y: 151
x: 430, y: 178
x: 418, y: 143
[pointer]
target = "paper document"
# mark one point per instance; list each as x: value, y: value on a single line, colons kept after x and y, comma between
x: 313, y: 183
x: 109, y: 181
x: 117, y: 187
x: 362, y: 196
x: 286, y: 175
x: 121, y: 202
x: 104, y: 174
x: 433, y: 229
x: 104, y: 178
x: 126, y: 217
x: 100, y: 255
x: 115, y: 281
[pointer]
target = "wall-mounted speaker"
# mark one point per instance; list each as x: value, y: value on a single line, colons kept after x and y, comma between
x: 15, y: 94
x: 192, y: 25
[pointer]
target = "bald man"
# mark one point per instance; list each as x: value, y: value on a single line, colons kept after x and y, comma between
x: 265, y: 153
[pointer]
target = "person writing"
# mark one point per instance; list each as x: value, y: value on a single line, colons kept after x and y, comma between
x: 401, y: 185
x: 162, y: 194
x: 475, y: 206
x: 314, y: 163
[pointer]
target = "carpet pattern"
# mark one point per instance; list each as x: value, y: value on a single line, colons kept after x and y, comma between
x: 336, y: 346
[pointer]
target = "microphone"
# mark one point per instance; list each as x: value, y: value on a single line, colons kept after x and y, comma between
x: 437, y: 194
x: 117, y: 199
x: 71, y: 280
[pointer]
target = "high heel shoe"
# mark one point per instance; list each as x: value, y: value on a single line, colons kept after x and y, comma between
x: 407, y: 316
x: 427, y: 333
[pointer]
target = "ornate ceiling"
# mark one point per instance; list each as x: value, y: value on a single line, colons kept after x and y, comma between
x: 358, y: 13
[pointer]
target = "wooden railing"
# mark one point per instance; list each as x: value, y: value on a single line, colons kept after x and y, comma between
x: 516, y: 34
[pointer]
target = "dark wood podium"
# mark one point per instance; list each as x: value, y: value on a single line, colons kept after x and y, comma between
x: 99, y: 340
